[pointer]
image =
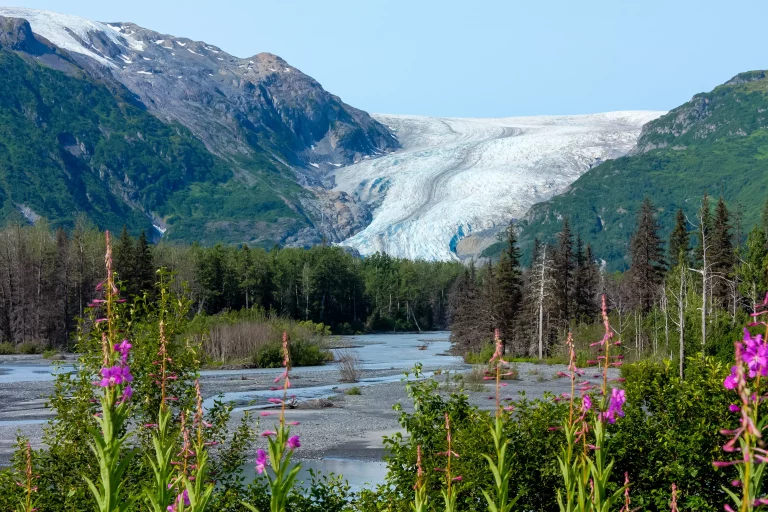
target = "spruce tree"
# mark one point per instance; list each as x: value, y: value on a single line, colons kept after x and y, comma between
x: 564, y: 266
x: 143, y: 266
x: 679, y: 241
x: 753, y: 281
x: 465, y: 312
x: 510, y: 283
x: 123, y: 261
x: 723, y: 257
x: 588, y: 279
x: 646, y: 251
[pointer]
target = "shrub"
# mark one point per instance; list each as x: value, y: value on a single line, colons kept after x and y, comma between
x: 251, y: 334
x: 480, y: 357
x: 28, y: 348
x: 671, y: 434
x: 355, y: 391
x: 303, y: 353
x: 7, y: 349
x: 49, y: 353
x: 349, y: 366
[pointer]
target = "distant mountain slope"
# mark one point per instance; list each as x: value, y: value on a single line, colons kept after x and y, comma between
x: 457, y: 177
x: 715, y: 143
x: 186, y: 137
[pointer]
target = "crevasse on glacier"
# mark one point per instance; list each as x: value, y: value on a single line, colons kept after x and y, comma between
x: 457, y: 176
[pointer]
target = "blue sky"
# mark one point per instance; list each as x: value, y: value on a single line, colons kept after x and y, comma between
x: 478, y: 58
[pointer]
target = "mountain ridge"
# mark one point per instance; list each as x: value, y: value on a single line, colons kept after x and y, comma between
x: 270, y: 125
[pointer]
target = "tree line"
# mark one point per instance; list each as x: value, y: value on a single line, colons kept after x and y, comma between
x: 47, y: 279
x: 685, y: 296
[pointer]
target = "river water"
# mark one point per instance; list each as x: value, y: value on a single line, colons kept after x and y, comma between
x: 380, y: 352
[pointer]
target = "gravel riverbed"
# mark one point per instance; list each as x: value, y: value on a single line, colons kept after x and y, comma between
x: 332, y: 424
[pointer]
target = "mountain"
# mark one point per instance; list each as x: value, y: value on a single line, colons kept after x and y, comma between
x: 124, y: 124
x: 455, y: 182
x: 717, y: 143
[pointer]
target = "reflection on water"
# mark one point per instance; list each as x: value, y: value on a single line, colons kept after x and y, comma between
x: 10, y: 373
x: 357, y: 473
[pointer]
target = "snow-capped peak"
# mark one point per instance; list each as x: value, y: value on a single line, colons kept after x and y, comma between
x: 69, y: 32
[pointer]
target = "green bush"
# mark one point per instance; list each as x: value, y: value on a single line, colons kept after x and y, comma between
x: 49, y: 353
x: 28, y: 348
x: 481, y: 357
x: 303, y: 353
x: 7, y: 349
x: 354, y: 391
x: 671, y: 434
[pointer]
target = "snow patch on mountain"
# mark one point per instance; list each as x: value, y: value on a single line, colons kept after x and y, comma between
x: 69, y: 32
x: 454, y: 177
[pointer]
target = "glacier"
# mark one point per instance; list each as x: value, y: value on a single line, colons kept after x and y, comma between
x: 458, y: 176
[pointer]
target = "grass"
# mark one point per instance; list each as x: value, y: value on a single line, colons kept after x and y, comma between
x: 485, y: 354
x: 353, y: 391
x: 50, y: 353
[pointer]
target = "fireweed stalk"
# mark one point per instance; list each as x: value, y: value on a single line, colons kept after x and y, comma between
x: 197, y: 486
x: 575, y: 426
x: 586, y: 476
x: 193, y: 489
x: 159, y: 496
x: 420, y: 497
x: 502, y: 467
x: 449, y: 493
x: 673, y: 504
x: 746, y: 379
x: 27, y: 503
x: 281, y: 447
x: 108, y: 439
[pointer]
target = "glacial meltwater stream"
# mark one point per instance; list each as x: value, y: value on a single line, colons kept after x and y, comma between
x: 384, y: 356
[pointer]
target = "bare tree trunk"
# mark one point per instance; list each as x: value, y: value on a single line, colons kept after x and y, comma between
x: 681, y: 320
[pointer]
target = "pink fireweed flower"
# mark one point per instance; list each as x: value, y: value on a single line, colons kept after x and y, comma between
x: 127, y: 394
x: 275, y: 400
x: 268, y: 433
x: 114, y: 376
x: 586, y: 403
x: 124, y: 348
x: 755, y: 354
x: 293, y: 442
x: 615, y: 403
x: 265, y: 413
x: 732, y: 380
x: 293, y: 423
x: 261, y: 461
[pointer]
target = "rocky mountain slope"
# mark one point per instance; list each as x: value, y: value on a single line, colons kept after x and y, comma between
x: 261, y: 126
x: 455, y: 178
x: 716, y: 143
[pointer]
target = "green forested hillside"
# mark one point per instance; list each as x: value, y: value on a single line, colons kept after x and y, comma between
x: 72, y: 146
x: 717, y: 143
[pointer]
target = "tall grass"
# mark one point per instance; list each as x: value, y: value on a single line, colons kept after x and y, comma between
x: 254, y: 336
